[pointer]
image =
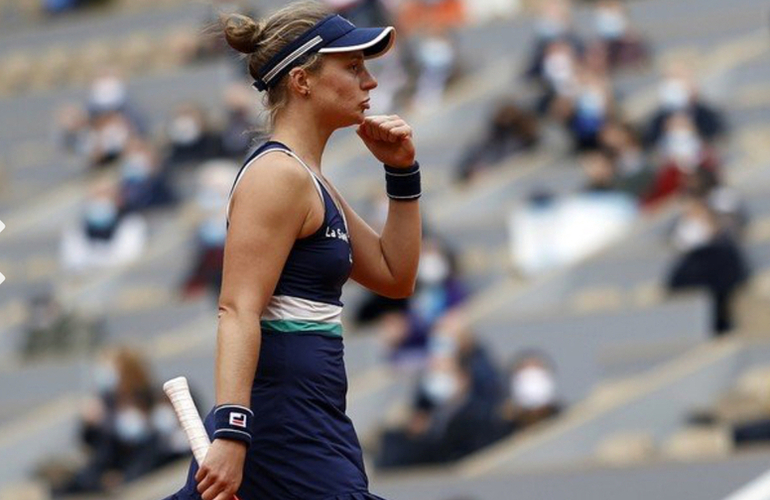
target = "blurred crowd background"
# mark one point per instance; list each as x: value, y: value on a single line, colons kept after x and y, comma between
x: 592, y: 315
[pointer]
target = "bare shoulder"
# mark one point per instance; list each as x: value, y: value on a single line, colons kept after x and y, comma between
x: 275, y: 176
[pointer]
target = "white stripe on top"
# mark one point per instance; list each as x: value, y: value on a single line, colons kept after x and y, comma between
x: 292, y: 57
x: 284, y: 307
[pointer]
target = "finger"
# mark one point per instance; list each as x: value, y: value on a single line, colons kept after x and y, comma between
x: 374, y: 129
x: 400, y: 133
x: 212, y: 492
x: 225, y: 495
x: 206, y: 483
x: 202, y: 472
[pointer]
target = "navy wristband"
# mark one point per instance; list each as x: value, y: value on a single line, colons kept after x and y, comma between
x: 403, y: 184
x: 233, y: 422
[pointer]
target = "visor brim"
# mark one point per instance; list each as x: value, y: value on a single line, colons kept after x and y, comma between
x: 374, y: 42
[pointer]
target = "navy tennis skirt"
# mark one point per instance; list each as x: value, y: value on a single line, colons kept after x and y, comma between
x: 304, y: 446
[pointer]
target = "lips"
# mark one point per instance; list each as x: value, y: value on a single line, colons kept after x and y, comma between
x: 365, y: 104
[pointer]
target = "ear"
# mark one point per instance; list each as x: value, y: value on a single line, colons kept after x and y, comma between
x: 299, y: 81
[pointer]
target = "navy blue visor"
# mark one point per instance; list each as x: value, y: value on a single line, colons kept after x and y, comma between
x: 330, y: 35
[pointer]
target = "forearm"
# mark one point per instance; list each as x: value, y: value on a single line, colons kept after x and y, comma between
x: 238, y: 344
x: 400, y: 241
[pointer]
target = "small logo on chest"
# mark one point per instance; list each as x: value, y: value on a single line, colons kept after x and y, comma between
x: 336, y: 233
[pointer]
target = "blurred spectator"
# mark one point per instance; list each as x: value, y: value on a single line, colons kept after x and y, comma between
x: 559, y: 80
x: 600, y: 172
x: 679, y: 95
x: 709, y: 259
x: 127, y: 429
x: 108, y: 94
x: 512, y: 130
x: 633, y: 172
x: 729, y: 210
x: 214, y: 184
x: 453, y: 410
x: 52, y: 330
x: 687, y: 162
x: 622, y: 46
x: 109, y: 136
x: 591, y: 109
x: 554, y: 25
x: 533, y: 394
x: 143, y: 185
x: 439, y: 290
x: 430, y: 27
x: 104, y: 237
x: 437, y: 57
x: 239, y: 121
x: 191, y: 139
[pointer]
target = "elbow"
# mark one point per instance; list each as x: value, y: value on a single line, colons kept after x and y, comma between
x: 237, y: 309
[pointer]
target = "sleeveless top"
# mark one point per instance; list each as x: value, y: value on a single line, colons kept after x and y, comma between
x: 306, y: 298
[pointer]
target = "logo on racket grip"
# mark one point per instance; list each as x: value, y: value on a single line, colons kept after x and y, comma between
x: 238, y: 419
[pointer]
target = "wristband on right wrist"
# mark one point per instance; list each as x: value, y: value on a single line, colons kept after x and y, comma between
x: 233, y: 422
x: 403, y: 184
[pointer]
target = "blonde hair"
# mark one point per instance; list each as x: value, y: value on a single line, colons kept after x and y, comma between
x: 262, y: 40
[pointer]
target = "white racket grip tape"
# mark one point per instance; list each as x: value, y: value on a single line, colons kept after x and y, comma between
x: 178, y: 393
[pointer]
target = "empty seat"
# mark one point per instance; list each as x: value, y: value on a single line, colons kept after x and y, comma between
x: 16, y: 73
x: 600, y: 298
x: 694, y: 443
x: 625, y: 448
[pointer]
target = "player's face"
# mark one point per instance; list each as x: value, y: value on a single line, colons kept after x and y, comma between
x: 342, y: 88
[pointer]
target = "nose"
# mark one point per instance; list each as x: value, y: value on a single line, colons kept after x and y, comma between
x: 368, y: 82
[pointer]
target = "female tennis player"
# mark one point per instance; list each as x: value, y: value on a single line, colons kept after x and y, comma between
x: 279, y: 429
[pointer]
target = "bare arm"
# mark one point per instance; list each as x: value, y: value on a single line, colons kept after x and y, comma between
x: 387, y: 263
x: 268, y: 212
x: 270, y: 209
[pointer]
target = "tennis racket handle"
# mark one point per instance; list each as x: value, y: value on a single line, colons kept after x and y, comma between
x: 178, y: 393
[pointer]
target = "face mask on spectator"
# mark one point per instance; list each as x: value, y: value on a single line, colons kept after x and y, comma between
x: 559, y: 71
x: 101, y: 214
x: 131, y: 425
x: 433, y: 269
x: 440, y: 386
x: 684, y: 147
x: 674, y: 94
x: 105, y: 377
x: 610, y: 24
x: 185, y: 130
x: 533, y: 387
x: 136, y: 168
x: 591, y: 103
x: 692, y: 233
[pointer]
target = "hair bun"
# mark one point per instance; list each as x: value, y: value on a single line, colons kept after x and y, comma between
x: 242, y: 33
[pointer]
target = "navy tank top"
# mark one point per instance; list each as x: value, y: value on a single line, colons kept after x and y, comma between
x: 306, y: 298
